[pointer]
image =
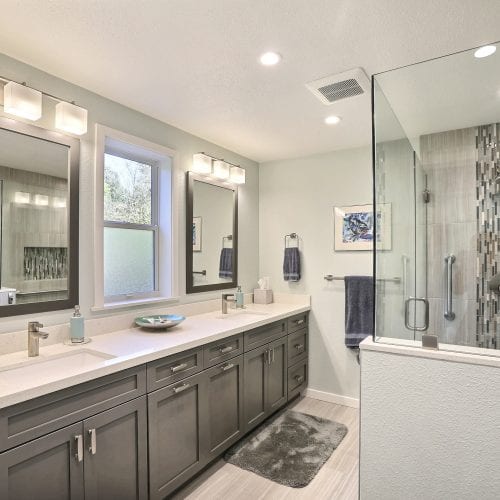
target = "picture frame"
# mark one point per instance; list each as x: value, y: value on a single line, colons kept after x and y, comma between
x: 354, y: 227
x: 197, y: 228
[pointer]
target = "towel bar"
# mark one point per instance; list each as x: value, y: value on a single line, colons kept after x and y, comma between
x: 331, y: 277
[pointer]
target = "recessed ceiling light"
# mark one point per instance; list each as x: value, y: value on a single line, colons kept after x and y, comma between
x: 270, y: 58
x: 485, y: 51
x: 332, y: 120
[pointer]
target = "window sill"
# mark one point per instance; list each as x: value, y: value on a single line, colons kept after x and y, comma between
x: 131, y: 303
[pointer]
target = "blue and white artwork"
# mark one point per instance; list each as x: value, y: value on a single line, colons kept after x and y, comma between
x: 354, y: 227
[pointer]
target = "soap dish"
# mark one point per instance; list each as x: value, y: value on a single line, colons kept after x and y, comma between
x: 85, y: 340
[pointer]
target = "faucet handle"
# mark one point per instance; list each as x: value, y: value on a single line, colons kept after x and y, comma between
x: 34, y: 326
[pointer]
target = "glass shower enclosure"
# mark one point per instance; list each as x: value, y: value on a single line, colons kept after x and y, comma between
x: 436, y: 152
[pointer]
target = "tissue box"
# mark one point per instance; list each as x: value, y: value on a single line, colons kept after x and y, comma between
x: 262, y: 296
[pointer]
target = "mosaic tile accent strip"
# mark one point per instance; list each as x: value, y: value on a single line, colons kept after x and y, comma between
x: 45, y: 263
x: 488, y: 219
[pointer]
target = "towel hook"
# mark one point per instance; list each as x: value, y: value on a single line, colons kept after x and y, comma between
x: 229, y: 237
x: 292, y: 236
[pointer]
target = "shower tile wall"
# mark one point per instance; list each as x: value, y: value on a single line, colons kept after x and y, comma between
x: 488, y: 197
x: 449, y: 161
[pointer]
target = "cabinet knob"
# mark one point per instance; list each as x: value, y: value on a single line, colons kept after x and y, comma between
x: 299, y: 378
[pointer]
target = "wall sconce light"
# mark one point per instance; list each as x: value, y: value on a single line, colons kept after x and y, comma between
x: 202, y: 164
x: 59, y: 202
x: 20, y: 197
x: 22, y: 101
x: 221, y: 169
x: 71, y: 118
x: 237, y: 175
x: 41, y: 199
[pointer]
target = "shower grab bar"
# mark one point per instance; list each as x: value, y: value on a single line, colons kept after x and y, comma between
x: 425, y: 326
x: 448, y: 312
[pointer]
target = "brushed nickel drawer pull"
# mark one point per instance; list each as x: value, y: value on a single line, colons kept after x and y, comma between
x: 93, y: 445
x: 224, y: 350
x: 180, y: 388
x: 299, y: 378
x: 178, y: 368
x: 226, y: 367
x: 299, y: 321
x: 79, y: 447
x: 299, y: 347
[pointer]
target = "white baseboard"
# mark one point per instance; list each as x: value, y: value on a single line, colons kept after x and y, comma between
x: 332, y: 398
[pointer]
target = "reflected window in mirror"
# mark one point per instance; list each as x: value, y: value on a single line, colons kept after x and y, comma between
x: 211, y: 234
x: 39, y: 219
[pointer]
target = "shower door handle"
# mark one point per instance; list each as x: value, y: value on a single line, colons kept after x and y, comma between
x: 448, y: 312
x: 425, y: 326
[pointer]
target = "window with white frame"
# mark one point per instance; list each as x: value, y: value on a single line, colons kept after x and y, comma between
x: 134, y: 220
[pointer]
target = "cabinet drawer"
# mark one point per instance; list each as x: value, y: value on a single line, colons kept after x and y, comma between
x: 264, y: 334
x: 297, y: 379
x: 26, y: 421
x: 297, y: 346
x: 168, y: 370
x: 222, y: 350
x: 297, y: 322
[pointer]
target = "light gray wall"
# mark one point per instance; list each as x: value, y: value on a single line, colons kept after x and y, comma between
x: 429, y: 429
x: 298, y: 196
x: 116, y: 116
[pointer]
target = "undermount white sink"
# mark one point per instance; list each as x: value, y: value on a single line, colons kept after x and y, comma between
x: 78, y: 360
x: 239, y: 313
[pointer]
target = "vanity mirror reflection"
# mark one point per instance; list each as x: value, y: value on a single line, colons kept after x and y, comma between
x: 212, y: 234
x: 39, y: 219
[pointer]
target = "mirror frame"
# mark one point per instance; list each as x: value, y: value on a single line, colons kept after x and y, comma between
x: 190, y: 288
x: 73, y: 145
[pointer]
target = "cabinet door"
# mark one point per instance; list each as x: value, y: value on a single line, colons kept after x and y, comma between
x: 277, y: 376
x: 178, y: 434
x: 116, y: 453
x: 255, y: 386
x: 224, y: 396
x: 46, y: 468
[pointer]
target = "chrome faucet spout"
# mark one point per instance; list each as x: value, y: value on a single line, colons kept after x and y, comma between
x: 226, y: 299
x: 34, y: 336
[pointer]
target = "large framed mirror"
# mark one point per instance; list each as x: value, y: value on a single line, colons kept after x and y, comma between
x: 39, y: 172
x: 211, y: 234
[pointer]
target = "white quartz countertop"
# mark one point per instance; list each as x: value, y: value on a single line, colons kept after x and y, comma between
x: 112, y: 352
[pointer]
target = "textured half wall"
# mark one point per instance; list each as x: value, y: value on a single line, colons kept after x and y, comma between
x: 429, y: 428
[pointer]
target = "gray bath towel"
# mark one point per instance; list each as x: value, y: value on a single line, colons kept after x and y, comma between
x: 359, y: 305
x: 291, y: 264
x: 226, y: 263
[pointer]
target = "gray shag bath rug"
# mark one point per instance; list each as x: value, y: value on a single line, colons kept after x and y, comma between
x: 289, y: 450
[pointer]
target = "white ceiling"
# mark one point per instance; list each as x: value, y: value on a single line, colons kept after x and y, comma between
x: 193, y: 63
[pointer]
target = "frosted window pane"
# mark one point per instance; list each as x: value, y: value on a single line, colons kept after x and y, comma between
x: 128, y: 261
x: 127, y: 190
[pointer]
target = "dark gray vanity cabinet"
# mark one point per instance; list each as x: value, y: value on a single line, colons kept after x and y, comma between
x: 224, y: 405
x: 45, y: 468
x: 265, y: 387
x: 115, y: 453
x: 178, y: 434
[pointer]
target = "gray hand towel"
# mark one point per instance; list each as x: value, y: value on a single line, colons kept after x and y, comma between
x: 291, y: 264
x: 226, y: 263
x: 359, y: 305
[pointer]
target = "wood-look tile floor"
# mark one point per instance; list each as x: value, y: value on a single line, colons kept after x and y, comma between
x: 337, y: 479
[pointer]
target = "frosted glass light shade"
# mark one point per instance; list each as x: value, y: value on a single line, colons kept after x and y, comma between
x: 59, y: 202
x: 22, y: 101
x: 71, y: 118
x: 237, y: 175
x: 41, y: 199
x: 221, y: 169
x: 202, y: 164
x: 21, y: 197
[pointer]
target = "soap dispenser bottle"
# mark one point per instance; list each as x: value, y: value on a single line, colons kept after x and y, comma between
x: 77, y: 326
x: 239, y: 298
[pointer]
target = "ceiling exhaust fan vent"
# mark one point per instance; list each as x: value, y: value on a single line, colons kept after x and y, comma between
x: 342, y: 86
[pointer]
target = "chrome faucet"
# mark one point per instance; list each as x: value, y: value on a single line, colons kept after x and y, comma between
x: 34, y: 336
x: 226, y: 299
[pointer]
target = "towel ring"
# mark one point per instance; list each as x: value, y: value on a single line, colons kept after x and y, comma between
x: 229, y: 237
x: 291, y: 236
